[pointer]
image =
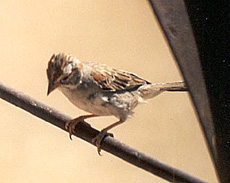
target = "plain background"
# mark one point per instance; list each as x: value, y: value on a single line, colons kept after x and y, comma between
x: 121, y: 34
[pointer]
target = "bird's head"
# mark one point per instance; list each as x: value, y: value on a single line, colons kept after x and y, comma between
x: 63, y: 70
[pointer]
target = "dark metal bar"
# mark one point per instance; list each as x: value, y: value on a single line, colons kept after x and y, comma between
x: 198, y: 34
x: 87, y: 133
x: 210, y: 21
x: 175, y: 23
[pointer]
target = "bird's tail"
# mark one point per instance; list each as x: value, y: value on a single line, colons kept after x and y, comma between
x: 151, y: 90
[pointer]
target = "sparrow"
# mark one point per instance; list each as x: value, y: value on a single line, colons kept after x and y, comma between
x: 101, y: 90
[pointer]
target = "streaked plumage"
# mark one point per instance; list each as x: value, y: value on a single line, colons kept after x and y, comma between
x: 101, y: 90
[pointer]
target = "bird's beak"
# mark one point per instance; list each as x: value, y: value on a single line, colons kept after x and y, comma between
x: 51, y: 87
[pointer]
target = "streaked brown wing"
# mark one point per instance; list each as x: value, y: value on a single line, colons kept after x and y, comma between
x: 115, y: 80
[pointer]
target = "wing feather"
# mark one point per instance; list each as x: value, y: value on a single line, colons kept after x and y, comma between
x: 110, y: 79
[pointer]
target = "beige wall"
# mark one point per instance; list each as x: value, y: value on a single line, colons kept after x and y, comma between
x: 122, y: 34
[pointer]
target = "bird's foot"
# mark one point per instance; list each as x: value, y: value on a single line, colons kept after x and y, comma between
x: 72, y: 124
x: 98, y: 139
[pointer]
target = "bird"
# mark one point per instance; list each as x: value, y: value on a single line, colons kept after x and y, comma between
x: 101, y: 90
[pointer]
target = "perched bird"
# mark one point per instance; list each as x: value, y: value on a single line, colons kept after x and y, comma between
x: 101, y: 90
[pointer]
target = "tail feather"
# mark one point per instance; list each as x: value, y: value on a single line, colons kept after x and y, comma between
x: 152, y: 90
x: 176, y: 86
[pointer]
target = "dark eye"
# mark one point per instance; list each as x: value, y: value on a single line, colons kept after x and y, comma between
x: 63, y: 80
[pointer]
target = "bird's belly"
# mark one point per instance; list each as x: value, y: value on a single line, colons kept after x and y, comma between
x: 103, y: 104
x: 87, y: 102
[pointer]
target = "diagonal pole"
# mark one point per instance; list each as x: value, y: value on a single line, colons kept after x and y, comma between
x: 87, y: 133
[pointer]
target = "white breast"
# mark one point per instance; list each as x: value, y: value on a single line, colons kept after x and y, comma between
x: 119, y: 105
x: 82, y: 101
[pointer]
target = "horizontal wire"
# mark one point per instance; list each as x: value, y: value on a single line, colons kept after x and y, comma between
x: 86, y: 132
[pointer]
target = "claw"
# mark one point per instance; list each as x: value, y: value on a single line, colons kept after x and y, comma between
x: 70, y: 134
x: 98, y: 139
x: 73, y: 123
x: 71, y: 126
x: 67, y: 124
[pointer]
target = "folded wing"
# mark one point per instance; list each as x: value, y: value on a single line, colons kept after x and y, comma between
x: 110, y: 79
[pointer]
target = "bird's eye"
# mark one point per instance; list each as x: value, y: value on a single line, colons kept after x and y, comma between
x: 64, y: 79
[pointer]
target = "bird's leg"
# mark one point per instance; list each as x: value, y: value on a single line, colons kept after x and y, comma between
x: 97, y: 140
x: 72, y: 123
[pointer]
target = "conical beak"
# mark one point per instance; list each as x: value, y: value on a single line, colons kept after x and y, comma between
x: 51, y: 87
